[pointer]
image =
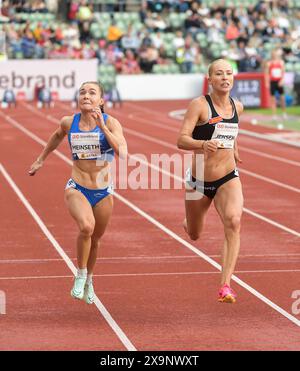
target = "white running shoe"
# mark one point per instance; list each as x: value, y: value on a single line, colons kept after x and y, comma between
x: 89, y: 293
x: 78, y: 289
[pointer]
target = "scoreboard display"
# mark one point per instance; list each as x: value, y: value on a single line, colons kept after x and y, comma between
x: 248, y: 92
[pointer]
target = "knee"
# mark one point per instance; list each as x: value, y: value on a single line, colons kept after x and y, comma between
x: 87, y: 228
x: 233, y: 223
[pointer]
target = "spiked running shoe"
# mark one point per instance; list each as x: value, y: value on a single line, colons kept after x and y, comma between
x: 78, y: 289
x: 226, y: 294
x: 89, y: 294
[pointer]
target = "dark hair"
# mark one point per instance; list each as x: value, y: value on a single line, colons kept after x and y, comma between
x: 100, y: 89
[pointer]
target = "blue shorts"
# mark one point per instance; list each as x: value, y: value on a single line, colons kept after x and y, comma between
x: 92, y: 195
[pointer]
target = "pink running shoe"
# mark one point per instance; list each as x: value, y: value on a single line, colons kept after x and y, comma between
x: 226, y: 294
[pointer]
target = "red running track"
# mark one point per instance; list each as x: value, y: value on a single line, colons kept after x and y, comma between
x: 159, y: 292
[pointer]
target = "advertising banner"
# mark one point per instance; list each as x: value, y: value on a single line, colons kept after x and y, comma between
x: 61, y: 76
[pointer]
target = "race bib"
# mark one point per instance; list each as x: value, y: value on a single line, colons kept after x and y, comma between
x: 225, y: 134
x: 85, y: 145
x: 276, y: 73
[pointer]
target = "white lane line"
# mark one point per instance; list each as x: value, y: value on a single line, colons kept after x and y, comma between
x: 207, y: 258
x: 112, y: 323
x: 105, y: 259
x: 176, y: 130
x: 154, y: 258
x: 150, y: 274
x: 270, y: 221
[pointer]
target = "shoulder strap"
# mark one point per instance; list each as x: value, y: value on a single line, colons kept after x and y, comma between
x: 75, y: 122
x: 210, y: 103
x: 235, y: 115
x: 105, y: 117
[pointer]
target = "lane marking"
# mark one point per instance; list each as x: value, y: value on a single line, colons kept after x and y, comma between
x: 155, y: 258
x: 209, y: 260
x: 111, y: 322
x: 201, y: 254
x: 150, y: 274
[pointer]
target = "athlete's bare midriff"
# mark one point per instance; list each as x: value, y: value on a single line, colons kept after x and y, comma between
x: 216, y: 164
x: 91, y: 174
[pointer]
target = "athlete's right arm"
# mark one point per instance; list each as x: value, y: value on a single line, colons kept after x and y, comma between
x: 197, y: 111
x: 53, y: 142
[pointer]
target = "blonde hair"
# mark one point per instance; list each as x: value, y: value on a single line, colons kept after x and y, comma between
x: 212, y: 64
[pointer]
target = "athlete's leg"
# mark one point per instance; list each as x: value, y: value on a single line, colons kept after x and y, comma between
x: 273, y: 106
x: 82, y: 212
x: 195, y: 211
x: 229, y: 204
x: 102, y: 212
x: 282, y: 104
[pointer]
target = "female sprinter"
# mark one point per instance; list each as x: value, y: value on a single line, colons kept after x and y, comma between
x: 210, y: 129
x: 94, y: 137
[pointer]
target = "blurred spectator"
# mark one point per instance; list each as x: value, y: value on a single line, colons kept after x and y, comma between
x: 28, y: 45
x: 232, y: 32
x: 85, y: 11
x: 73, y: 10
x: 130, y: 64
x: 148, y: 57
x: 187, y: 56
x: 130, y: 40
x: 157, y: 40
x: 178, y: 40
x: 114, y: 33
x: 39, y: 6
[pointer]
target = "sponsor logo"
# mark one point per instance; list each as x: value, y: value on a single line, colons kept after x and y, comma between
x: 215, y: 120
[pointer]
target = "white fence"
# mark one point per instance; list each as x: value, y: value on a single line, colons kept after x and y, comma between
x: 152, y: 87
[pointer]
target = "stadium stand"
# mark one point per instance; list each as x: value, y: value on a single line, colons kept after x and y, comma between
x: 170, y: 36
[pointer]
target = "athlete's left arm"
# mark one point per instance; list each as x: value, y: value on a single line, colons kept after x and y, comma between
x: 114, y: 134
x: 240, y: 108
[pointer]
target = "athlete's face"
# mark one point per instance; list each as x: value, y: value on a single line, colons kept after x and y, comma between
x: 221, y: 77
x: 89, y: 97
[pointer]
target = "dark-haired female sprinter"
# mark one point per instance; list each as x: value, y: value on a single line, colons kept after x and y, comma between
x: 94, y: 138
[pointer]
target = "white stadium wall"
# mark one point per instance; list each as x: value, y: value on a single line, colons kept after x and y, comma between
x: 61, y: 76
x: 152, y: 87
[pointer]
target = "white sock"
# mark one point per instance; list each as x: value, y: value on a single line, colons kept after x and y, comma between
x: 89, y: 279
x: 82, y: 272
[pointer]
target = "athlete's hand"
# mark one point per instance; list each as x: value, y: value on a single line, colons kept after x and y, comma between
x: 35, y: 167
x: 210, y: 145
x: 98, y: 116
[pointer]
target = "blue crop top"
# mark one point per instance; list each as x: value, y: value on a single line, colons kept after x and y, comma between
x: 91, y: 144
